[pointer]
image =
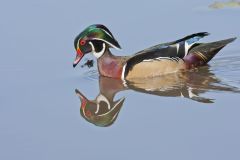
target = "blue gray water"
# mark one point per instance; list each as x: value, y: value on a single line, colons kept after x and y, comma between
x: 39, y: 109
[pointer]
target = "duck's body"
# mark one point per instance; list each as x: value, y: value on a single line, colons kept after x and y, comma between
x: 158, y: 60
x: 148, y: 69
x: 120, y: 67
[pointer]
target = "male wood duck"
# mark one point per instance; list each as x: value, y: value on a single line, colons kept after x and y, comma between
x: 182, y: 54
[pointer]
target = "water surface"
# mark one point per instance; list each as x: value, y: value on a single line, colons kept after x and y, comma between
x: 194, y: 116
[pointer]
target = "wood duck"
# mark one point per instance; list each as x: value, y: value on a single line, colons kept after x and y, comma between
x: 179, y: 55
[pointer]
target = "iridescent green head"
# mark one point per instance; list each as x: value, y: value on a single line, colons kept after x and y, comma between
x: 95, y: 38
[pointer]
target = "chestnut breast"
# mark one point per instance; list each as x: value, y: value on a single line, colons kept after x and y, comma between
x: 110, y: 67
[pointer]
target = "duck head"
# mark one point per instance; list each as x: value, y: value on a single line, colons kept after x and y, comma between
x: 96, y: 39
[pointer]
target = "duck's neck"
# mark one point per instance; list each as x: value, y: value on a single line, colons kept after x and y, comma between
x: 110, y: 65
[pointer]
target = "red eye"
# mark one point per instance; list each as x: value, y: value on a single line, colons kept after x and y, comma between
x: 88, y: 113
x: 82, y: 42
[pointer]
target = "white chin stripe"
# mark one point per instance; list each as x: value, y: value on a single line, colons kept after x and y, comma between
x: 98, y: 54
x: 103, y: 99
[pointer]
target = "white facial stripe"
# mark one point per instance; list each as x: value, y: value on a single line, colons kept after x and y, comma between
x: 78, y: 43
x: 97, y: 54
x: 107, y: 32
x: 107, y: 43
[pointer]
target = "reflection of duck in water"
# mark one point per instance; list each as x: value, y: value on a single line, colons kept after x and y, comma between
x: 103, y: 111
x: 183, y: 84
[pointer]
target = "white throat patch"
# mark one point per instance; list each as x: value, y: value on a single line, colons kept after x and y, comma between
x: 103, y: 99
x: 98, y: 54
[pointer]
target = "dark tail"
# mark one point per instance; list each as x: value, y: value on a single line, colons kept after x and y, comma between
x: 202, y: 53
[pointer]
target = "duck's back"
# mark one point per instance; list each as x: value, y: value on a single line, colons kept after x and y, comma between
x: 160, y: 59
x: 172, y: 57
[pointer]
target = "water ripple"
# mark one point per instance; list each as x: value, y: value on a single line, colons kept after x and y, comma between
x: 91, y: 75
x: 227, y: 67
